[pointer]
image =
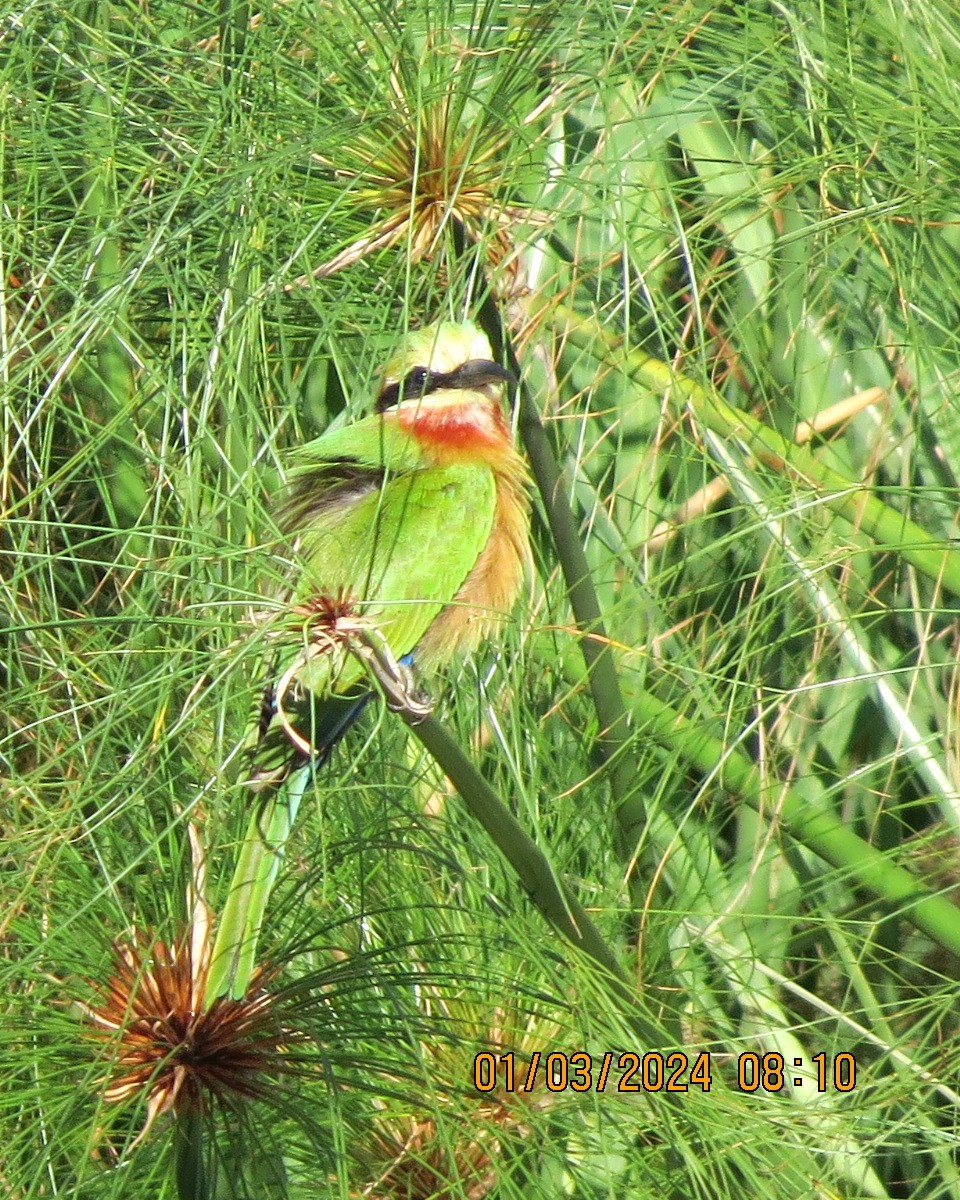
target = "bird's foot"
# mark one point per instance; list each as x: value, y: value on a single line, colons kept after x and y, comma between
x: 395, y: 679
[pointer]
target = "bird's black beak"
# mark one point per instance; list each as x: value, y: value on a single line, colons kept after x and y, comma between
x: 479, y: 372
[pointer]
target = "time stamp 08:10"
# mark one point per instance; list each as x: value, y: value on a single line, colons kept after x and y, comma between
x: 656, y: 1072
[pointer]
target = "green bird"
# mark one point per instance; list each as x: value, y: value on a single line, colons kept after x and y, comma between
x: 409, y: 531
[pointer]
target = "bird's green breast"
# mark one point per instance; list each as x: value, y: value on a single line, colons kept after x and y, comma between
x: 400, y: 553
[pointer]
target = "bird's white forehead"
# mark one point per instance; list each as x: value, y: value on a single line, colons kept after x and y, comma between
x: 442, y: 347
x: 457, y: 346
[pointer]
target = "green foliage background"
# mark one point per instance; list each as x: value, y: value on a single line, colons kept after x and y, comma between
x: 720, y: 221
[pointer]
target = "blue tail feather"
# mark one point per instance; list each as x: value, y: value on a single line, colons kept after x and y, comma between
x: 319, y: 722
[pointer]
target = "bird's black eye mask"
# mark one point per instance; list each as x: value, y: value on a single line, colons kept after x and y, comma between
x: 421, y: 381
x: 416, y: 383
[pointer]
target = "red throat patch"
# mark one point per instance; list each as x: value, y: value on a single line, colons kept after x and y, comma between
x: 457, y: 430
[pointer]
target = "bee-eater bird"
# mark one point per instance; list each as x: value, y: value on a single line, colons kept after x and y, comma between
x: 410, y: 526
x: 408, y: 532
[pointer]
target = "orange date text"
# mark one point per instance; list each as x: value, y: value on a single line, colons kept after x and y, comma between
x: 583, y: 1072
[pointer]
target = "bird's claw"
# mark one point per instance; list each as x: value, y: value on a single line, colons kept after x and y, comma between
x: 394, y: 678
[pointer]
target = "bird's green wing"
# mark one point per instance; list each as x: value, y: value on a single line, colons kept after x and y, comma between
x: 341, y: 465
x: 395, y: 557
x: 390, y: 548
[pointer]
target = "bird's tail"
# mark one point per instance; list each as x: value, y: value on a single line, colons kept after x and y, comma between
x: 299, y: 732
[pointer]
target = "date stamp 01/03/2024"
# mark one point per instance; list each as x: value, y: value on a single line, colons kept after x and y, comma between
x: 655, y: 1072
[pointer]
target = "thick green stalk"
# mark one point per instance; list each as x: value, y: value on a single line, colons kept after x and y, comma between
x: 108, y: 377
x: 613, y: 739
x: 848, y: 499
x: 234, y: 956
x: 191, y: 1173
x: 815, y: 827
x: 550, y: 895
x: 612, y: 744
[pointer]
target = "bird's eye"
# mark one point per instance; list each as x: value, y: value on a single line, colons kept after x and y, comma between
x: 415, y: 383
